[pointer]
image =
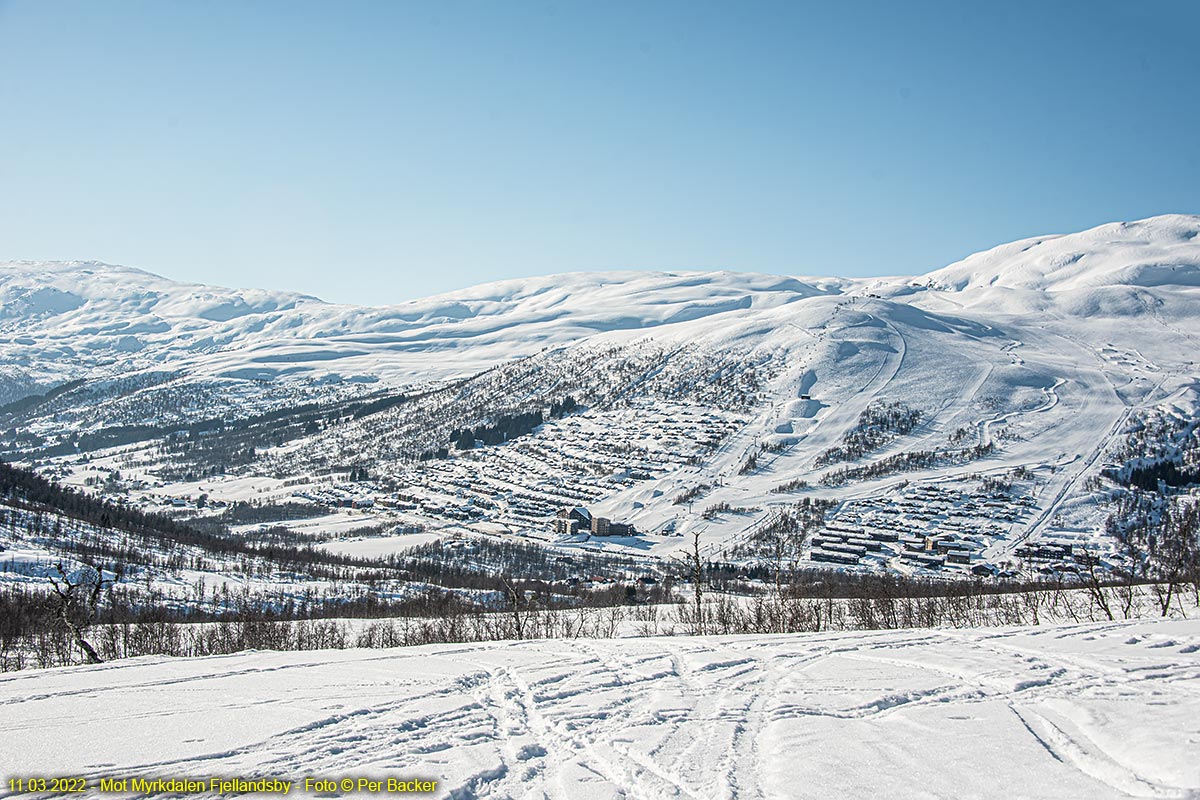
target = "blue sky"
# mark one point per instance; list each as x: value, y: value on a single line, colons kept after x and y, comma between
x: 374, y: 152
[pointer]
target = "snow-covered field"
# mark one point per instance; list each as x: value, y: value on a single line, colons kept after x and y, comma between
x: 1084, y: 711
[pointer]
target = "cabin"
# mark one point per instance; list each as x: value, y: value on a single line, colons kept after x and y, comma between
x: 832, y: 556
x: 958, y: 557
x: 924, y: 559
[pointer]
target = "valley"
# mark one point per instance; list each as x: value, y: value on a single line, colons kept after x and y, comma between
x: 974, y: 422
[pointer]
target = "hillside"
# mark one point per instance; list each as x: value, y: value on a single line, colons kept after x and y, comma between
x: 93, y: 314
x: 991, y: 412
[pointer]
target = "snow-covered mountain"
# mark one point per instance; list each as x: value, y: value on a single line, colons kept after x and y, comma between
x: 71, y: 318
x: 68, y: 318
x: 706, y: 401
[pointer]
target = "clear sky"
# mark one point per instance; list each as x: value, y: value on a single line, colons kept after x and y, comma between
x: 372, y: 152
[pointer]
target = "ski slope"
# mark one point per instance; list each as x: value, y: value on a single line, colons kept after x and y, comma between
x: 1097, y: 711
x: 1046, y: 351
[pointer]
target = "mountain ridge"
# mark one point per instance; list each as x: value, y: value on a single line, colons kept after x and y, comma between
x: 112, y: 313
x: 1184, y: 227
x: 1033, y: 366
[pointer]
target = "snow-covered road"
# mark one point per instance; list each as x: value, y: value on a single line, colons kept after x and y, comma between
x: 1087, y: 711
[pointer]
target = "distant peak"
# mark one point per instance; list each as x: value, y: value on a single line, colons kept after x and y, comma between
x: 1145, y: 252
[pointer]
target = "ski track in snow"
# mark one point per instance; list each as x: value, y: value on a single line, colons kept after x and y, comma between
x: 1097, y: 711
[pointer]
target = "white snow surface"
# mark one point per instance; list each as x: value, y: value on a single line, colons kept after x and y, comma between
x: 65, y: 317
x: 1046, y: 349
x: 93, y: 314
x: 1078, y: 711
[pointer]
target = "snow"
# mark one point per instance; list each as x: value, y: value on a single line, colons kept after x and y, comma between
x: 1050, y: 349
x: 1095, y: 710
x: 109, y: 311
x: 380, y: 546
x: 1044, y: 349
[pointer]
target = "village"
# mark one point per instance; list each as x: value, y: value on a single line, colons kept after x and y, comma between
x: 544, y: 486
x: 948, y: 525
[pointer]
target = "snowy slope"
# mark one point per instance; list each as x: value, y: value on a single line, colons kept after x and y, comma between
x: 60, y: 320
x: 726, y: 387
x: 64, y: 318
x: 1097, y: 711
x: 91, y: 313
x: 1156, y: 252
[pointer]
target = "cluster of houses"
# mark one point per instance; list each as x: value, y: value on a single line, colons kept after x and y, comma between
x: 579, y: 520
x: 936, y: 550
x: 925, y: 526
x: 846, y: 544
x: 181, y: 503
x: 1051, y: 557
x: 839, y: 543
x: 333, y: 498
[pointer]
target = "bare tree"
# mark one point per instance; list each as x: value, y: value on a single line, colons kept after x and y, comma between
x: 1093, y: 580
x: 79, y: 603
x: 1174, y: 554
x: 1132, y: 546
x: 516, y: 599
x: 786, y: 535
x: 693, y: 563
